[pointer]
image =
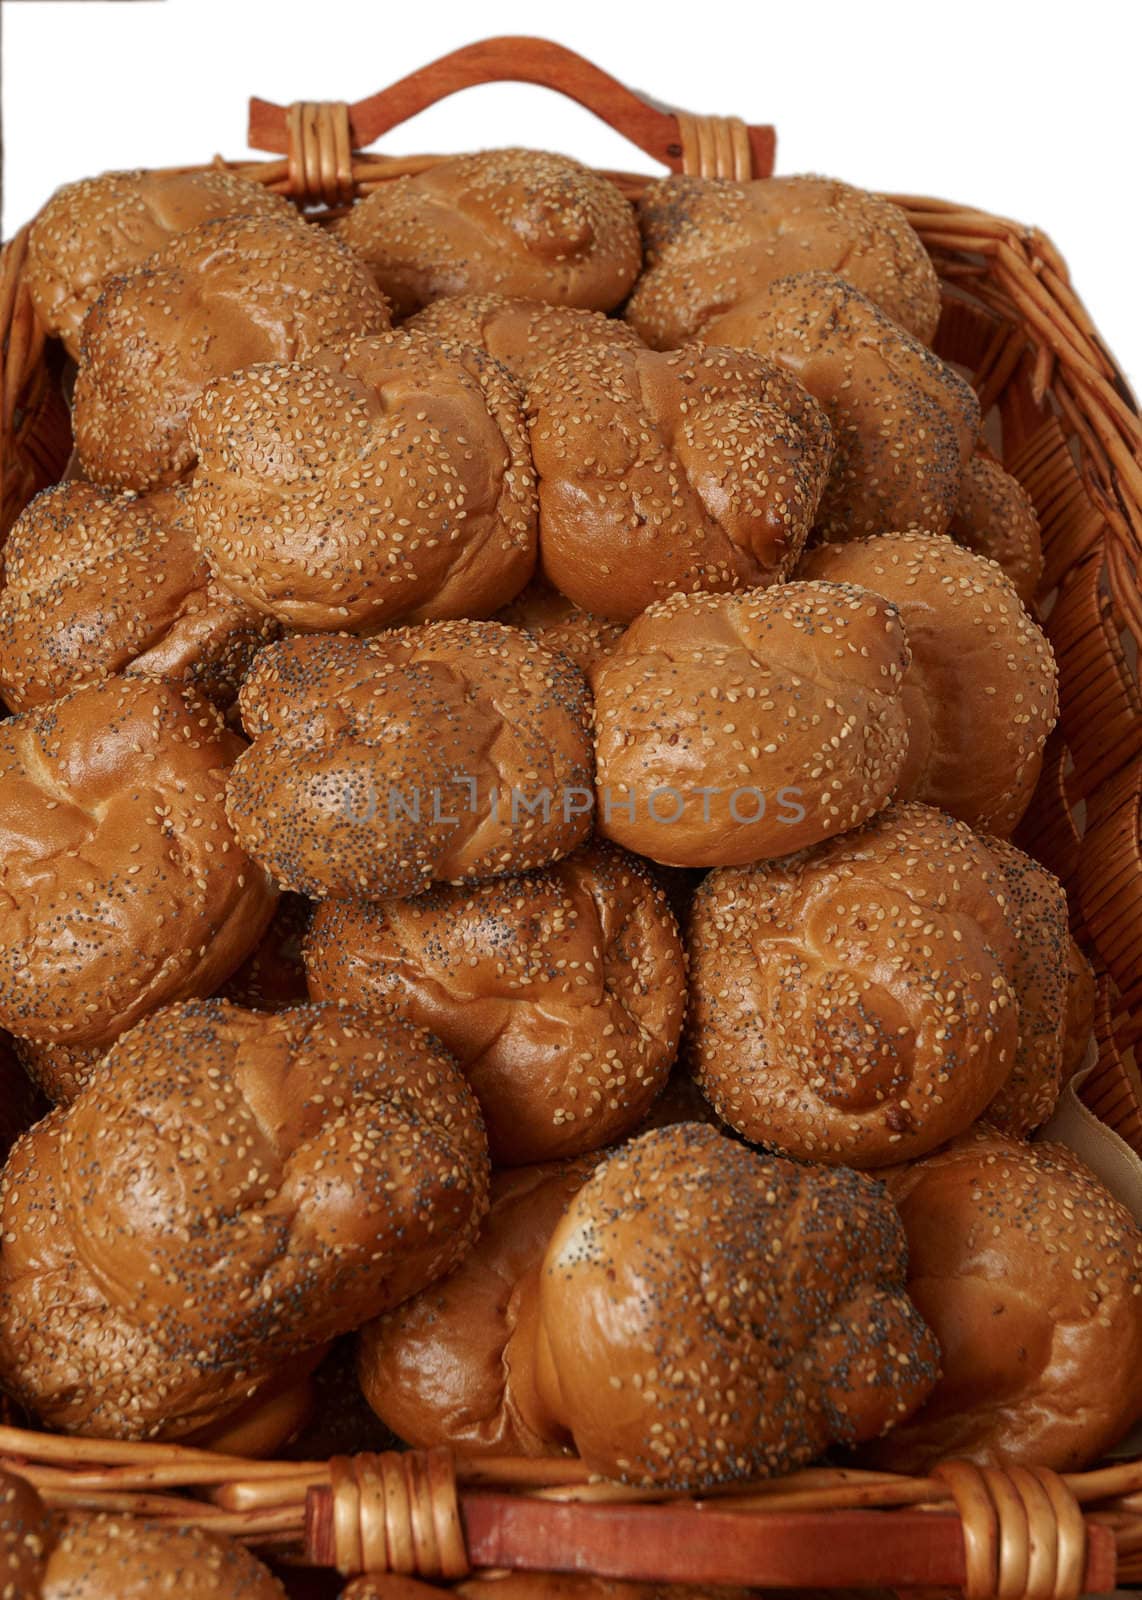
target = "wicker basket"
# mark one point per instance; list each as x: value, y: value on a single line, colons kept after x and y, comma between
x: 1061, y: 417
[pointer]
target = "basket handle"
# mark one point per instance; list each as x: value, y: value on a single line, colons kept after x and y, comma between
x: 723, y: 147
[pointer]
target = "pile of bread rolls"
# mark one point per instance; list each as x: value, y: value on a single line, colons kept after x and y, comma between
x: 518, y: 713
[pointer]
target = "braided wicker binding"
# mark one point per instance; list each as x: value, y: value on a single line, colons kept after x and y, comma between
x: 1060, y: 416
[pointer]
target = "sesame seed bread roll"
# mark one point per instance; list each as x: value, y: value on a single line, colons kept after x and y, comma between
x: 98, y: 228
x: 704, y: 1313
x: 511, y: 222
x: 855, y: 1003
x: 981, y: 692
x: 97, y: 583
x: 995, y: 517
x: 1028, y: 1272
x: 904, y: 422
x: 60, y: 1071
x: 711, y: 244
x: 559, y: 624
x: 1036, y: 909
x: 447, y: 752
x: 730, y: 728
x: 384, y: 481
x: 561, y: 992
x: 225, y: 295
x: 26, y: 1534
x: 20, y: 1105
x: 124, y: 885
x: 521, y: 334
x: 693, y: 470
x: 233, y: 1190
x: 112, y: 1557
x: 438, y: 1370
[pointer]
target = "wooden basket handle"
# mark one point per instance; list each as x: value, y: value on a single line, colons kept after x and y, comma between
x: 723, y: 147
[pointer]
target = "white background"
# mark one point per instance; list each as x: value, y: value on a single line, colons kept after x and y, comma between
x: 1027, y: 109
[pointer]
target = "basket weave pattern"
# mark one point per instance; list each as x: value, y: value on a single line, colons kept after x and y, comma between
x: 1061, y: 417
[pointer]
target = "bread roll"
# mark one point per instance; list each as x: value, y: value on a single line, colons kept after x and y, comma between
x: 97, y: 583
x: 60, y: 1071
x: 1078, y: 1014
x: 124, y: 886
x: 1028, y: 1271
x: 856, y: 1003
x: 26, y: 1536
x: 1036, y: 910
x: 711, y: 244
x: 512, y: 222
x: 272, y: 977
x: 694, y: 470
x: 704, y: 1313
x: 560, y: 992
x: 92, y: 230
x: 904, y: 422
x: 438, y: 1370
x: 233, y: 1190
x: 559, y: 624
x: 448, y: 752
x: 730, y: 728
x: 389, y: 479
x: 111, y: 1557
x: 521, y: 334
x: 982, y: 690
x: 994, y: 517
x: 224, y: 295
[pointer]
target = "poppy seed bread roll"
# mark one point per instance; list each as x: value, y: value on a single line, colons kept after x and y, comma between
x: 855, y: 1003
x: 1028, y: 1272
x: 512, y: 222
x: 233, y: 1189
x: 995, y: 517
x: 97, y: 583
x: 226, y: 295
x: 26, y: 1535
x: 711, y: 244
x: 446, y: 752
x: 111, y: 1557
x: 520, y: 334
x: 730, y: 728
x: 124, y: 885
x: 693, y: 470
x: 438, y: 1369
x: 387, y: 480
x: 98, y: 228
x: 560, y: 992
x: 559, y: 624
x: 981, y: 692
x: 904, y: 422
x: 704, y: 1314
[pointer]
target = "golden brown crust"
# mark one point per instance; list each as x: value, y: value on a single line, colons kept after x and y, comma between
x: 982, y: 690
x: 97, y: 583
x: 27, y: 1533
x: 521, y: 334
x: 95, y: 1557
x: 995, y: 517
x: 693, y: 470
x: 1036, y: 908
x: 561, y: 993
x: 123, y: 884
x: 60, y: 1070
x: 388, y: 480
x: 854, y: 1003
x: 446, y: 752
x: 438, y: 1369
x: 1078, y: 1016
x: 904, y: 422
x: 512, y: 222
x: 1029, y: 1273
x: 234, y: 1189
x: 707, y: 1313
x: 711, y: 244
x: 735, y: 727
x: 95, y: 229
x: 559, y: 624
x: 226, y: 295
